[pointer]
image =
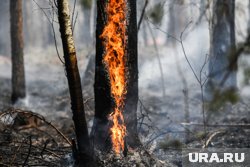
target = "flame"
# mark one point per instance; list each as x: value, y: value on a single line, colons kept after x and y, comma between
x: 114, y: 36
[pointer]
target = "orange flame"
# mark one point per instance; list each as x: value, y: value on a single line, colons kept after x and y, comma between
x: 114, y: 35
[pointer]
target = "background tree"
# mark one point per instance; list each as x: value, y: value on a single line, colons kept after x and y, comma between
x: 248, y: 23
x: 103, y: 99
x: 4, y: 19
x: 222, y: 47
x: 89, y: 7
x: 177, y: 20
x: 86, y: 5
x: 16, y: 32
x: 85, y: 151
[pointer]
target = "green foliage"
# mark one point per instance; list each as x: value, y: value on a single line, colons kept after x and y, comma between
x: 200, y: 135
x: 220, y: 98
x: 156, y: 13
x: 246, y: 73
x: 167, y: 144
x: 86, y: 4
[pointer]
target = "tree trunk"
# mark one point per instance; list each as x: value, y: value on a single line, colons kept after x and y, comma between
x: 4, y: 31
x: 16, y: 29
x: 93, y: 19
x: 103, y: 100
x: 177, y: 20
x: 248, y: 23
x: 85, y: 152
x: 130, y: 112
x: 87, y: 33
x: 221, y: 48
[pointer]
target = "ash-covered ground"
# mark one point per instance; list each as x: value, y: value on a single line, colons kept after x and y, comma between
x: 170, y: 112
x: 168, y: 122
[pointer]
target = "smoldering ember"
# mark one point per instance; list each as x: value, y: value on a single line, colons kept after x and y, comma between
x: 123, y: 83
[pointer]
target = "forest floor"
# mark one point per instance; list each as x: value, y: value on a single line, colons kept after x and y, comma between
x: 167, y: 123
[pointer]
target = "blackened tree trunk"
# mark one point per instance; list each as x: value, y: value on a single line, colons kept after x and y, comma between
x: 16, y: 31
x: 85, y: 152
x: 103, y: 100
x: 222, y: 47
x: 130, y: 113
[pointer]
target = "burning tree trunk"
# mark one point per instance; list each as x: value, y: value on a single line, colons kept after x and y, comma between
x: 16, y: 29
x: 116, y: 77
x: 84, y: 153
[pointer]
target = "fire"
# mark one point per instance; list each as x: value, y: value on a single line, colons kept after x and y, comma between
x: 114, y: 36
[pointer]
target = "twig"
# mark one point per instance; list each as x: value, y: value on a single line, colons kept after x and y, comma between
x: 72, y: 19
x: 142, y: 14
x: 74, y: 24
x: 27, y: 157
x: 52, y: 25
x: 12, y: 110
x: 211, y: 137
x: 163, y: 133
x: 184, y: 52
x: 245, y: 126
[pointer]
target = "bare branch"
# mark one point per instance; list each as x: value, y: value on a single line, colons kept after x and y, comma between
x: 142, y: 14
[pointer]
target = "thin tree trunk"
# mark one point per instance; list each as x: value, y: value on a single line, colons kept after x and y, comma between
x: 248, y: 23
x: 93, y: 19
x: 85, y: 152
x: 16, y: 29
x: 87, y: 33
x: 4, y: 38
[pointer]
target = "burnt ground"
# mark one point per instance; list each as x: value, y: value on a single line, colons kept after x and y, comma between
x: 164, y: 128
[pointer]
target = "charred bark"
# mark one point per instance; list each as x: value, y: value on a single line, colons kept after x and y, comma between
x: 103, y: 100
x: 16, y: 30
x: 130, y: 112
x: 85, y: 151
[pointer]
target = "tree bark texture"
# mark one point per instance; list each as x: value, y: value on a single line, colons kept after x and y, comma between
x: 104, y: 103
x: 16, y: 32
x: 103, y: 100
x: 131, y: 99
x: 84, y: 148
